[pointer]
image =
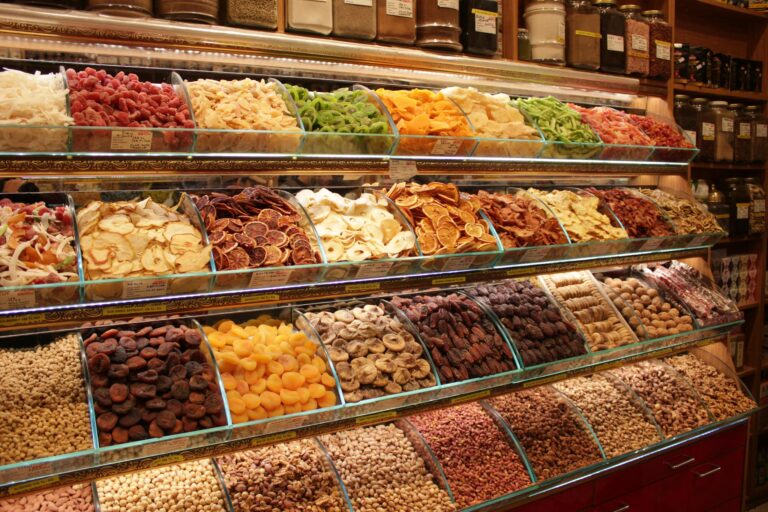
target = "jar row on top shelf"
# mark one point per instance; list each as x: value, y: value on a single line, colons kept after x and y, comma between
x: 120, y: 247
x: 99, y: 113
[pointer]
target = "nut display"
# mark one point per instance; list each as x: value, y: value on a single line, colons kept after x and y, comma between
x: 649, y: 313
x: 191, y: 487
x: 555, y: 439
x: 357, y: 229
x: 269, y: 369
x: 294, y: 476
x: 580, y: 215
x: 149, y: 381
x: 75, y: 498
x: 445, y: 222
x: 723, y: 395
x: 43, y: 407
x: 255, y: 228
x: 672, y: 402
x: 688, y: 216
x: 384, y: 472
x: 461, y: 338
x: 519, y: 221
x: 603, y: 328
x: 639, y: 216
x: 619, y: 422
x: 468, y: 442
x: 535, y: 324
x: 373, y: 353
x: 139, y: 238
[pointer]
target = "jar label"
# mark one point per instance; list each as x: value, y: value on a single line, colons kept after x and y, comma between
x: 364, y: 3
x: 639, y: 43
x: 615, y: 43
x: 448, y: 4
x: 692, y: 135
x: 707, y: 131
x: 401, y: 8
x: 485, y: 21
x: 586, y: 33
x: 727, y: 125
x: 759, y: 205
x: 742, y: 210
x: 663, y: 50
x: 762, y: 130
x: 745, y: 131
x: 561, y: 31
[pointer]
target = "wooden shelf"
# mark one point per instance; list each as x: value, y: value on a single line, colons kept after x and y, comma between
x: 716, y: 8
x: 747, y: 371
x: 719, y: 92
x: 738, y: 240
x: 719, y: 166
x: 745, y: 307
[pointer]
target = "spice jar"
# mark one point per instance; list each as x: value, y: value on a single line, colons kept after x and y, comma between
x: 699, y: 105
x: 742, y: 145
x: 251, y: 13
x: 523, y: 45
x: 759, y: 134
x: 545, y: 20
x: 582, y: 41
x: 480, y: 24
x: 739, y: 202
x: 355, y: 19
x: 659, y: 45
x: 706, y: 133
x: 131, y: 8
x: 612, y: 31
x: 313, y: 16
x: 196, y: 11
x: 757, y: 206
x: 437, y: 24
x: 396, y: 21
x: 718, y: 206
x: 635, y: 41
x: 686, y: 115
x: 723, y: 121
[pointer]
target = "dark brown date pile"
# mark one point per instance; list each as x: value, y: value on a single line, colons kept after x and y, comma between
x: 461, y: 338
x: 150, y: 381
x: 535, y: 324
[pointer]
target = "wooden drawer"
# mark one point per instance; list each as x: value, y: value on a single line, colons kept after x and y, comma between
x: 716, y: 481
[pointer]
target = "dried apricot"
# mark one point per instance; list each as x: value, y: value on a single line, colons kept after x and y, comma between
x: 275, y: 368
x: 327, y: 380
x: 317, y: 391
x: 274, y: 383
x: 259, y: 413
x: 327, y: 400
x: 293, y: 380
x: 270, y: 401
x: 280, y: 411
x: 259, y: 387
x: 310, y: 373
x: 289, y: 397
x: 252, y: 400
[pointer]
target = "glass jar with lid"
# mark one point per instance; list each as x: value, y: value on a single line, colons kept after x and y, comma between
x: 700, y: 190
x: 130, y: 8
x: 635, y: 41
x: 582, y: 41
x: 355, y: 19
x: 757, y: 206
x: 545, y: 20
x: 717, y: 204
x: 739, y: 202
x: 708, y: 127
x: 437, y: 24
x: 723, y: 120
x: 742, y: 130
x: 480, y: 22
x: 251, y: 13
x: 396, y: 21
x: 196, y: 11
x: 759, y: 134
x: 660, y: 51
x: 523, y: 45
x: 612, y: 32
x: 313, y: 16
x: 686, y: 115
x: 700, y: 105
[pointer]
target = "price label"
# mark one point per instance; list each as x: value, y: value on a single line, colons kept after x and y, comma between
x: 759, y: 205
x: 615, y: 43
x: 745, y: 131
x: 449, y: 280
x: 538, y: 254
x: 22, y: 299
x: 663, y: 50
x: 639, y: 43
x: 448, y: 4
x: 458, y: 262
x: 27, y: 472
x: 446, y: 147
x: 274, y: 438
x: 166, y: 446
x: 586, y: 33
x: 285, y: 424
x: 692, y: 135
x: 727, y: 125
x: 18, y: 489
x: 698, y: 241
x: 145, y: 288
x: 270, y: 278
x: 376, y: 418
x: 761, y: 130
x: 363, y: 287
x: 260, y: 297
x: 364, y: 3
x: 471, y: 397
x: 652, y: 244
x: 369, y: 270
x: 170, y: 459
x: 401, y: 8
x: 542, y: 381
x: 484, y: 23
x: 402, y: 170
x: 707, y: 131
x: 742, y: 211
x: 131, y: 140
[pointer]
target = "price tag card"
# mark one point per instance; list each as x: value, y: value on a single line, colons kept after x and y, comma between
x: 446, y: 147
x: 652, y: 244
x: 131, y: 140
x: 27, y: 472
x: 283, y: 425
x: 22, y: 299
x: 270, y: 278
x: 459, y: 263
x: 141, y: 288
x: 379, y: 269
x: 536, y: 254
x: 698, y: 241
x: 171, y: 445
x: 402, y: 170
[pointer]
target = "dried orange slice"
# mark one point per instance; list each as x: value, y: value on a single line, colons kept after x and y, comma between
x: 428, y: 243
x: 475, y: 230
x: 407, y: 201
x: 448, y: 235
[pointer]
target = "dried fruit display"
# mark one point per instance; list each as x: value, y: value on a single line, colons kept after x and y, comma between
x: 139, y: 238
x: 269, y: 369
x: 576, y: 291
x: 357, y: 229
x: 662, y: 134
x: 519, y: 221
x: 689, y: 216
x: 444, y: 220
x: 372, y: 351
x: 255, y: 228
x: 580, y: 215
x: 639, y: 216
x: 461, y: 338
x: 36, y: 244
x: 613, y: 126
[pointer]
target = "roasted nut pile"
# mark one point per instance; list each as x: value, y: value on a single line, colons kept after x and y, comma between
x: 43, y: 408
x: 75, y: 498
x: 374, y: 355
x: 462, y: 340
x: 151, y: 381
x: 645, y: 310
x: 444, y: 221
x: 723, y: 396
x: 534, y: 323
x: 619, y: 423
x: 688, y: 216
x: 580, y: 215
x: 188, y: 487
x: 475, y: 454
x: 672, y: 402
x: 555, y: 439
x: 639, y: 216
x: 293, y: 476
x: 602, y: 327
x: 519, y: 221
x: 255, y: 228
x: 269, y: 369
x: 383, y: 471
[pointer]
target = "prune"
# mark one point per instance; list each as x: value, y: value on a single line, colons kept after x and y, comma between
x: 149, y: 376
x: 137, y: 433
x: 136, y: 363
x: 142, y: 390
x: 180, y: 390
x: 107, y: 421
x: 165, y: 420
x: 198, y: 383
x: 99, y: 363
x: 118, y: 392
x: 118, y: 371
x: 102, y: 397
x: 125, y: 406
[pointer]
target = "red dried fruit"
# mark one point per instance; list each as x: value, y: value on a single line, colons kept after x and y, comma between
x: 102, y: 397
x: 148, y: 353
x: 193, y: 368
x: 118, y: 371
x: 155, y: 430
x: 198, y: 383
x: 105, y: 439
x: 118, y: 392
x: 163, y: 384
x: 157, y: 365
x: 165, y: 420
x: 156, y: 404
x: 127, y: 343
x: 142, y: 390
x: 213, y: 404
x: 109, y: 333
x: 149, y: 376
x: 193, y: 337
x: 165, y: 348
x: 120, y: 435
x: 189, y: 424
x: 176, y: 407
x: 180, y: 390
x: 178, y: 428
x: 196, y: 397
x: 136, y: 363
x: 131, y: 418
x: 125, y: 406
x: 99, y: 363
x: 107, y: 421
x: 137, y: 433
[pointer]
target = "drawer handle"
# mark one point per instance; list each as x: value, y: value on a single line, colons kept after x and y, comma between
x: 622, y: 508
x: 705, y: 474
x: 680, y: 464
